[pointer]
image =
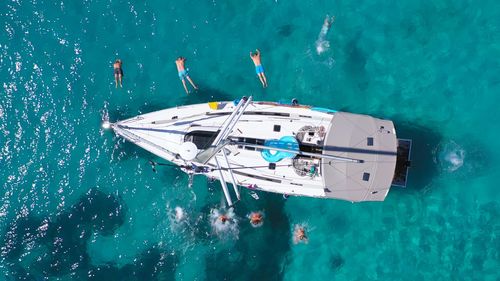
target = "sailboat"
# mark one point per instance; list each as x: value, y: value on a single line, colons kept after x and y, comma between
x: 292, y: 149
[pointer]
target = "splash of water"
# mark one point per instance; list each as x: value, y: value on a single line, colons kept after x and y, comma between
x: 178, y: 218
x: 323, y: 45
x: 224, y: 223
x: 296, y: 233
x: 449, y: 156
x: 257, y: 224
x: 179, y: 214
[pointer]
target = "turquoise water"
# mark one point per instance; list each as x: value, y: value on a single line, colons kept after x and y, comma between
x: 77, y: 203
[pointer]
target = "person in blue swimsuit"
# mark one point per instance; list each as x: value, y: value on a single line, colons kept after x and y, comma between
x: 258, y: 67
x: 183, y: 74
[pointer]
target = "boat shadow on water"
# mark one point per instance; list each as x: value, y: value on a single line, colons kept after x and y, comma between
x: 423, y: 169
x: 432, y: 155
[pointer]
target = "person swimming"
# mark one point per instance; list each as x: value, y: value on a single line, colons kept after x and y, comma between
x: 118, y: 72
x: 322, y: 44
x: 256, y: 218
x: 327, y: 23
x: 224, y: 218
x: 224, y: 223
x: 183, y: 73
x: 300, y: 235
x: 259, y: 69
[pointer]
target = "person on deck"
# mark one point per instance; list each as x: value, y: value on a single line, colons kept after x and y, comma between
x: 117, y: 69
x: 183, y: 73
x: 258, y: 67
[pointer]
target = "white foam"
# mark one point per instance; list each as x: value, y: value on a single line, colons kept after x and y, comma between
x: 249, y: 216
x: 450, y: 156
x: 227, y: 228
x: 322, y: 46
x: 296, y: 240
x: 179, y: 214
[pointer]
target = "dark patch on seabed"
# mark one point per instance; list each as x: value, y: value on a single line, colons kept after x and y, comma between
x: 336, y: 262
x: 262, y: 254
x: 61, y: 243
x: 356, y: 61
x: 152, y: 264
x: 425, y: 166
x: 286, y: 30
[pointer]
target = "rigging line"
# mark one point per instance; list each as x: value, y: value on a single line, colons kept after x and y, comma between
x: 153, y: 163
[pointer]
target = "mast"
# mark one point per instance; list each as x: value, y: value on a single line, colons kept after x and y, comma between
x: 332, y: 157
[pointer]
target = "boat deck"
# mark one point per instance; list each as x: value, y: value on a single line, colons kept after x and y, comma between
x: 368, y: 139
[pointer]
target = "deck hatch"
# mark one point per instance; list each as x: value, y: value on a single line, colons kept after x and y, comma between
x: 202, y: 139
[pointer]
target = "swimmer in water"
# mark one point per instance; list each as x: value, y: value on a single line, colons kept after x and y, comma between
x: 179, y: 214
x: 183, y: 73
x: 322, y: 44
x: 258, y: 67
x: 327, y: 23
x: 117, y: 69
x: 256, y: 218
x: 300, y: 235
x: 224, y: 218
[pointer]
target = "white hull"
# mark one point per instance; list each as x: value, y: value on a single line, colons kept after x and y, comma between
x: 164, y: 132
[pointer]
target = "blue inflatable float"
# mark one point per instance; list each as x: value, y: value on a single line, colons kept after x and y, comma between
x: 286, y: 142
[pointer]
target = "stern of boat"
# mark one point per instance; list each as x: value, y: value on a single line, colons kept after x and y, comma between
x: 403, y: 163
